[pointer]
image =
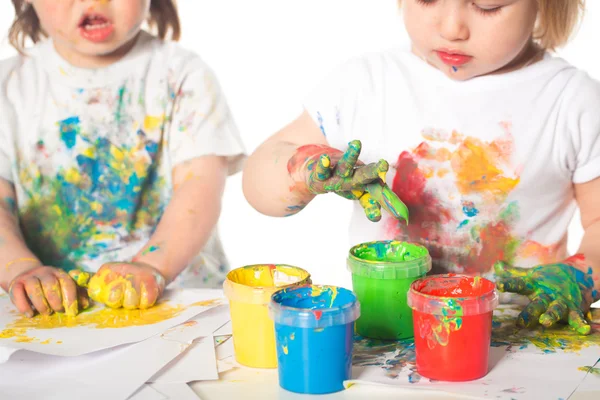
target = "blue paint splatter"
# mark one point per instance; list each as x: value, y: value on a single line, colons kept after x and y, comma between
x: 469, y: 209
x: 463, y: 224
x: 320, y: 119
x: 69, y: 129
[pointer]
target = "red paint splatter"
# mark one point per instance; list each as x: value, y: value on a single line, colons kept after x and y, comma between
x: 318, y: 314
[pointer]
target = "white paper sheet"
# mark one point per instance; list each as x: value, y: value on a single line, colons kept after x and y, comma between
x: 201, y: 325
x: 225, y: 330
x: 5, y: 353
x: 546, y: 365
x: 176, y: 391
x: 116, y: 373
x: 146, y: 392
x: 198, y: 363
x: 78, y: 340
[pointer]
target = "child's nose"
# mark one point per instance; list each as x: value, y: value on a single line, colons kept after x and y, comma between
x: 453, y: 25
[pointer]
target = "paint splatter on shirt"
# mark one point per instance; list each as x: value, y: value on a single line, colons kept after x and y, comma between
x: 485, y: 166
x: 91, y: 152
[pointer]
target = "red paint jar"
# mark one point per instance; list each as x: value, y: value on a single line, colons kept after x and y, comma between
x: 452, y: 317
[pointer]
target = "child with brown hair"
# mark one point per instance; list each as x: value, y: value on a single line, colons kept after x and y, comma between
x: 115, y: 145
x: 494, y: 144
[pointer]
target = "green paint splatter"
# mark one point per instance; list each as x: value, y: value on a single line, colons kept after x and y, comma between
x: 150, y: 249
x: 590, y: 370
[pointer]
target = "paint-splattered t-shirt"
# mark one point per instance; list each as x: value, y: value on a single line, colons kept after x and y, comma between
x: 486, y: 166
x: 91, y: 151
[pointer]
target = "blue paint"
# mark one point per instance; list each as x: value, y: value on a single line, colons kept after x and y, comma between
x: 469, y: 209
x: 454, y: 69
x: 69, y: 129
x: 314, y: 337
x: 320, y: 119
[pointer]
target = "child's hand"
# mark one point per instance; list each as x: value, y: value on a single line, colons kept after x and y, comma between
x: 47, y: 290
x: 129, y: 285
x: 558, y: 292
x: 329, y: 170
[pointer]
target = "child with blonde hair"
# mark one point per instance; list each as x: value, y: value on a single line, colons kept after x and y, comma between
x: 492, y: 141
x: 115, y: 144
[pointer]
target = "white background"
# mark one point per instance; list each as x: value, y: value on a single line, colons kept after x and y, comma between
x: 268, y: 54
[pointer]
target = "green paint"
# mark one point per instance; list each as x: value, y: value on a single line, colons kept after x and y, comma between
x: 590, y: 370
x: 382, y: 273
x: 388, y: 200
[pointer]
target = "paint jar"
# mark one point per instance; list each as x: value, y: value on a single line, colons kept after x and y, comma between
x: 314, y: 328
x: 453, y: 326
x: 249, y: 290
x: 381, y: 276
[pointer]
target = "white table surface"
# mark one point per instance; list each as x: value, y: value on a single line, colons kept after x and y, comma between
x: 248, y: 383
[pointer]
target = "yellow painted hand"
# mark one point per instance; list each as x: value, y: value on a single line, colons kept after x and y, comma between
x: 128, y: 285
x: 47, y: 290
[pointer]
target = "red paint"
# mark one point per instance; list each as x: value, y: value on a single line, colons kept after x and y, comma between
x: 452, y: 347
x: 453, y: 58
x: 576, y: 260
x: 318, y: 314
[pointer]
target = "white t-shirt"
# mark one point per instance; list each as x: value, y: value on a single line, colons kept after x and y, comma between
x: 486, y: 166
x: 91, y: 151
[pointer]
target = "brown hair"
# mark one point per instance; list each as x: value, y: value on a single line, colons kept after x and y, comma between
x: 26, y: 25
x: 556, y: 21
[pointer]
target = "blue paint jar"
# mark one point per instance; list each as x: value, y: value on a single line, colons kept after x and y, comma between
x: 314, y: 329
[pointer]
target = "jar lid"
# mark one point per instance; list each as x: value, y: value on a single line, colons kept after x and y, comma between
x: 314, y: 306
x: 389, y: 259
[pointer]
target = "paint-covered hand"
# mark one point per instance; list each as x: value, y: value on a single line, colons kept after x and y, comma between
x: 47, y: 290
x: 558, y: 293
x: 128, y: 285
x: 327, y: 170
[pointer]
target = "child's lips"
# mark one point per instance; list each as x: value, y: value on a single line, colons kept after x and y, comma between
x: 95, y: 27
x: 454, y: 59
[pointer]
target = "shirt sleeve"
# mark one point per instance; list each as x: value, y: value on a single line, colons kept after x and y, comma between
x: 333, y: 102
x: 584, y: 157
x: 201, y: 121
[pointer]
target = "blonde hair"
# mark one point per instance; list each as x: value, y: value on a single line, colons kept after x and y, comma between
x: 556, y: 21
x: 26, y: 25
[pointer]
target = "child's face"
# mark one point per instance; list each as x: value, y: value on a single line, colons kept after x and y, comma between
x: 91, y: 28
x: 465, y: 39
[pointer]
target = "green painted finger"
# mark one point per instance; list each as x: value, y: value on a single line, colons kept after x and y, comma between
x: 504, y: 270
x: 351, y: 194
x: 348, y: 161
x: 578, y: 322
x: 514, y: 285
x: 323, y: 169
x: 530, y: 316
x: 557, y: 311
x: 371, y: 207
x: 366, y: 174
x: 388, y: 200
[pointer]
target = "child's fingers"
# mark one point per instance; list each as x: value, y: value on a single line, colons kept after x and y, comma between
x: 371, y: 207
x: 323, y: 168
x: 348, y: 161
x: 505, y: 270
x: 51, y: 289
x: 33, y: 288
x: 131, y: 298
x: 149, y: 292
x: 368, y: 173
x: 388, y: 200
x: 19, y: 298
x: 114, y: 295
x: 557, y: 311
x: 577, y: 321
x: 531, y: 314
x: 513, y: 285
x: 68, y: 290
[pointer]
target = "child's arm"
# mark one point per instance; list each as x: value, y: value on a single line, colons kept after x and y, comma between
x: 286, y: 172
x: 562, y: 291
x: 27, y: 280
x: 184, y: 229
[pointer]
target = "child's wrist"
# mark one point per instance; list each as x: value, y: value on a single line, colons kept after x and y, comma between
x: 16, y: 267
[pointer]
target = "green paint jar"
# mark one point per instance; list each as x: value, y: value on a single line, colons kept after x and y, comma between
x: 382, y: 273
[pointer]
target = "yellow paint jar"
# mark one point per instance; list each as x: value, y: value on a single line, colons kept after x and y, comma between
x: 249, y: 290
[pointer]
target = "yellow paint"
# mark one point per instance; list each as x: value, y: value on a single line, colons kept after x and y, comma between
x: 80, y: 277
x: 475, y: 166
x: 293, y: 336
x: 326, y: 162
x: 206, y: 303
x: 285, y: 349
x: 357, y: 193
x: 382, y: 175
x: 249, y: 290
x: 152, y: 122
x: 318, y: 290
